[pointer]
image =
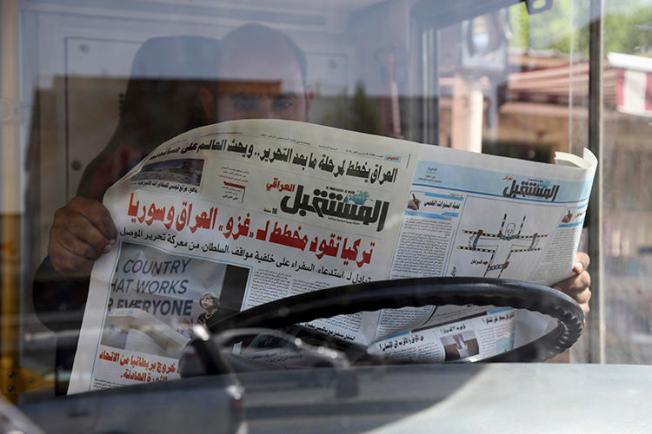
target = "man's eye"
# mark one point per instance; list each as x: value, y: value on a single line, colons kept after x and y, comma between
x: 244, y: 102
x: 284, y: 102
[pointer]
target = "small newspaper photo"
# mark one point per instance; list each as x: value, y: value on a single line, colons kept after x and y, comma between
x: 233, y: 215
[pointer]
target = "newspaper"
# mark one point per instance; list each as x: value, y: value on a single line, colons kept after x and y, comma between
x: 229, y: 216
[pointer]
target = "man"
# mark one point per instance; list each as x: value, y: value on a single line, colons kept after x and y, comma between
x: 261, y: 75
x: 157, y: 106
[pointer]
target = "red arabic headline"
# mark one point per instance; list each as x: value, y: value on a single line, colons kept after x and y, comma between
x: 181, y: 220
x: 138, y: 368
x: 335, y: 246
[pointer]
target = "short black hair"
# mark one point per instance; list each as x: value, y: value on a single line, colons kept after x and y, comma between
x: 258, y: 32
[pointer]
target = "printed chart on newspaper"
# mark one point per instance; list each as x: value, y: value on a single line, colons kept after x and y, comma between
x: 483, y: 216
x: 230, y: 216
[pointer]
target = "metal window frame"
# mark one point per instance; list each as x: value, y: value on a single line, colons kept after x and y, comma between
x: 10, y: 205
x: 595, y: 323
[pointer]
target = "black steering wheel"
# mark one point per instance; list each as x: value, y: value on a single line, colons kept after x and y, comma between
x: 393, y: 294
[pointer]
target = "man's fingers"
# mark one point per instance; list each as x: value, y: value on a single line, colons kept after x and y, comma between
x: 82, y: 231
x: 96, y: 213
x: 583, y: 297
x: 579, y: 283
x: 585, y: 308
x: 68, y: 241
x: 578, y: 289
x: 578, y: 286
x: 68, y: 263
x: 574, y: 283
x: 85, y: 231
x: 582, y: 262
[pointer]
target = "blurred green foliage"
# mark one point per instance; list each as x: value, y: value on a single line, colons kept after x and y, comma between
x: 565, y: 29
x: 359, y: 113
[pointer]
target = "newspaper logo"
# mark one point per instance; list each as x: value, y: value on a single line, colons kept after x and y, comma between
x: 347, y: 207
x: 530, y: 188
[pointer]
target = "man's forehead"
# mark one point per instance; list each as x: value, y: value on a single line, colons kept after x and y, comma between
x: 255, y: 87
x: 263, y: 67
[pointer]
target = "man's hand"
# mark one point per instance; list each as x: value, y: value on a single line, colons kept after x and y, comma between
x: 578, y: 286
x: 82, y: 231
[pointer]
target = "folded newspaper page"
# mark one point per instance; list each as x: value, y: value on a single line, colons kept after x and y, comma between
x: 233, y: 215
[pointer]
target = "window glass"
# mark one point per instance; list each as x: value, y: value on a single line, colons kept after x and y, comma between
x: 90, y: 88
x: 627, y: 113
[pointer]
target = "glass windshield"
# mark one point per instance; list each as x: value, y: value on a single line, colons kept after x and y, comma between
x: 168, y: 164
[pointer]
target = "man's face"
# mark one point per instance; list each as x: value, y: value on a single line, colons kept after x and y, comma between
x: 260, y: 84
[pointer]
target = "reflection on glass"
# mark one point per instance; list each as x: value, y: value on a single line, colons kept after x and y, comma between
x: 627, y: 88
x: 92, y: 91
